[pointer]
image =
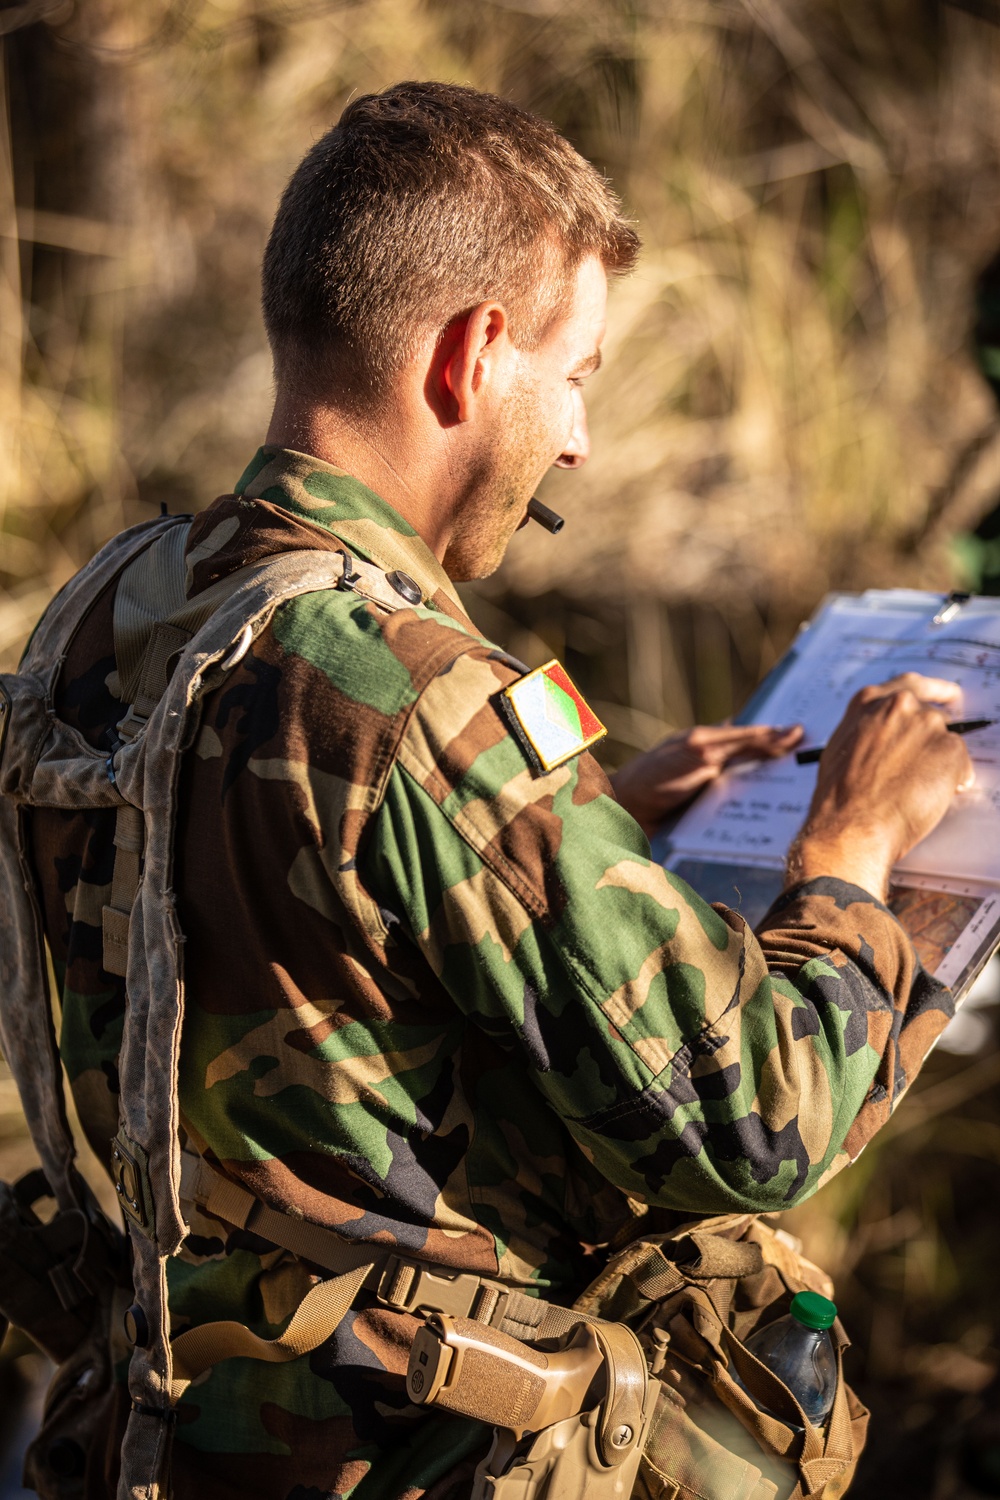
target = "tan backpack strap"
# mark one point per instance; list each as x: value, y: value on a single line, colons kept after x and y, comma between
x: 124, y: 884
x: 27, y: 1035
x: 393, y: 1279
x: 318, y: 1315
x: 398, y: 1282
x: 227, y: 1200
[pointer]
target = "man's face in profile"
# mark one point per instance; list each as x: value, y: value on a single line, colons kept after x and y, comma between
x: 537, y: 419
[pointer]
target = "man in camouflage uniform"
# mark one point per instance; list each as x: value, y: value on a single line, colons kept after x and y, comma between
x: 437, y: 996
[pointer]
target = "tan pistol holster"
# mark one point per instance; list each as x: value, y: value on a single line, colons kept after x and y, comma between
x: 636, y: 1395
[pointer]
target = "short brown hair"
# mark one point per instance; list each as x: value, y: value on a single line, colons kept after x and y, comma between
x: 422, y: 202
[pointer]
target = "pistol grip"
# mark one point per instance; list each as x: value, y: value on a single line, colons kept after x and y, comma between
x: 469, y: 1368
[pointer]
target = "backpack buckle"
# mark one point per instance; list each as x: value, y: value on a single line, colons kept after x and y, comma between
x: 408, y: 1286
x: 130, y: 1175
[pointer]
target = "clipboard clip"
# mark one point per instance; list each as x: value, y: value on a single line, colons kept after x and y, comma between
x: 950, y: 607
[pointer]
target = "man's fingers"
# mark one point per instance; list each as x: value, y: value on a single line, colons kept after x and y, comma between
x: 732, y: 738
x: 926, y: 689
x: 778, y: 732
x: 782, y: 740
x: 765, y: 742
x: 967, y: 773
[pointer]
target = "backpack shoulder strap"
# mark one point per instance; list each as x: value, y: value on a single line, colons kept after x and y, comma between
x: 154, y: 618
x: 153, y: 621
x: 148, y: 1142
x: 28, y: 729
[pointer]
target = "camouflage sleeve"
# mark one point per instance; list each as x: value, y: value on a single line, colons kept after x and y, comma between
x: 699, y: 1066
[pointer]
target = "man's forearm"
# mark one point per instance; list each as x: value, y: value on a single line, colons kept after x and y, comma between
x: 858, y: 856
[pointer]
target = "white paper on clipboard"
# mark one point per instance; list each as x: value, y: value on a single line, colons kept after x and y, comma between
x: 731, y: 844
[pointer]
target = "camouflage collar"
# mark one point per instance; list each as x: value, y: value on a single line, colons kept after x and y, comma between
x: 318, y: 492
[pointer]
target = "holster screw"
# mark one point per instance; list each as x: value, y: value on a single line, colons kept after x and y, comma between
x: 622, y: 1436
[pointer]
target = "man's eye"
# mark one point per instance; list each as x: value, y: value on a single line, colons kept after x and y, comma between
x: 578, y: 380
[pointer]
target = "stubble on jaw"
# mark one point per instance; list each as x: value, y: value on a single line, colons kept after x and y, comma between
x: 498, y: 488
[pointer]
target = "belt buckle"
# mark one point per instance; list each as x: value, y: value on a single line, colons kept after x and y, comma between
x: 409, y: 1286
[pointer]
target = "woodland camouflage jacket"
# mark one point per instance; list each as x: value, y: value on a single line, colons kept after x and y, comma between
x: 437, y: 999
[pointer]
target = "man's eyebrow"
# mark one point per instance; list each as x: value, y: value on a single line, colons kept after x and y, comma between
x: 589, y: 365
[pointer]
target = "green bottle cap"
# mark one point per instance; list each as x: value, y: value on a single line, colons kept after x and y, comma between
x: 812, y: 1310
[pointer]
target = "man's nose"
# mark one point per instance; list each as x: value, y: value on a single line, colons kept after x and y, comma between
x: 577, y: 449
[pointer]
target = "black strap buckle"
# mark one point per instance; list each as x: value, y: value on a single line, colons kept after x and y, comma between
x: 161, y: 1413
x: 349, y: 578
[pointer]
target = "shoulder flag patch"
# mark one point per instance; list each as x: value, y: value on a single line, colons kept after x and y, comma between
x: 549, y: 717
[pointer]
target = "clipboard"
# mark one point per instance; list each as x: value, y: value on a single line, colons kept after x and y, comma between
x: 731, y: 844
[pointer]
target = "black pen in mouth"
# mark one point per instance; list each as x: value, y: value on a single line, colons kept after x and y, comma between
x: 550, y: 519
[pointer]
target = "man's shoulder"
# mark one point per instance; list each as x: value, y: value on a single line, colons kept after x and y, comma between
x: 373, y: 655
x: 464, y: 746
x: 320, y: 703
x: 448, y: 701
x: 483, y: 701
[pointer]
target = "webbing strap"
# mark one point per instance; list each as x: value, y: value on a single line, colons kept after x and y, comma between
x: 398, y: 1282
x: 318, y: 1315
x: 156, y: 626
x: 226, y: 1200
x: 655, y: 1278
x: 129, y: 834
x: 838, y: 1450
x: 165, y: 641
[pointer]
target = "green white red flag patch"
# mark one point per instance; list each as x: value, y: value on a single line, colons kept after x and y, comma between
x: 550, y: 717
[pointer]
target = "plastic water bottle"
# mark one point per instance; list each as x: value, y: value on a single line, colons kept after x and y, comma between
x: 799, y: 1350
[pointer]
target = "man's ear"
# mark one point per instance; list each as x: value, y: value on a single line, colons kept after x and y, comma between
x: 465, y: 361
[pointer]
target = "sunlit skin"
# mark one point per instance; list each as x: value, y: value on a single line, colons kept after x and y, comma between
x: 469, y: 427
x: 458, y: 445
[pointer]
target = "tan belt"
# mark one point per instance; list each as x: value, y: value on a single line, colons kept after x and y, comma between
x: 397, y: 1281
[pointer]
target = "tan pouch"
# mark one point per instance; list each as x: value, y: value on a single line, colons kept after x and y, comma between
x: 694, y: 1297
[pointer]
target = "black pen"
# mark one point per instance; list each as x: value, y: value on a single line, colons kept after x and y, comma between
x: 957, y: 726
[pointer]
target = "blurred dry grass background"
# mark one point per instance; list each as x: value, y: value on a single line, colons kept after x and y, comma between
x: 791, y: 402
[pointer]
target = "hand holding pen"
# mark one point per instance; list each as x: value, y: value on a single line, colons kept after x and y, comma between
x: 957, y: 726
x: 886, y: 779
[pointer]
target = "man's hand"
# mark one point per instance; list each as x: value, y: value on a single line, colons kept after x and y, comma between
x: 885, y: 780
x: 664, y: 778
